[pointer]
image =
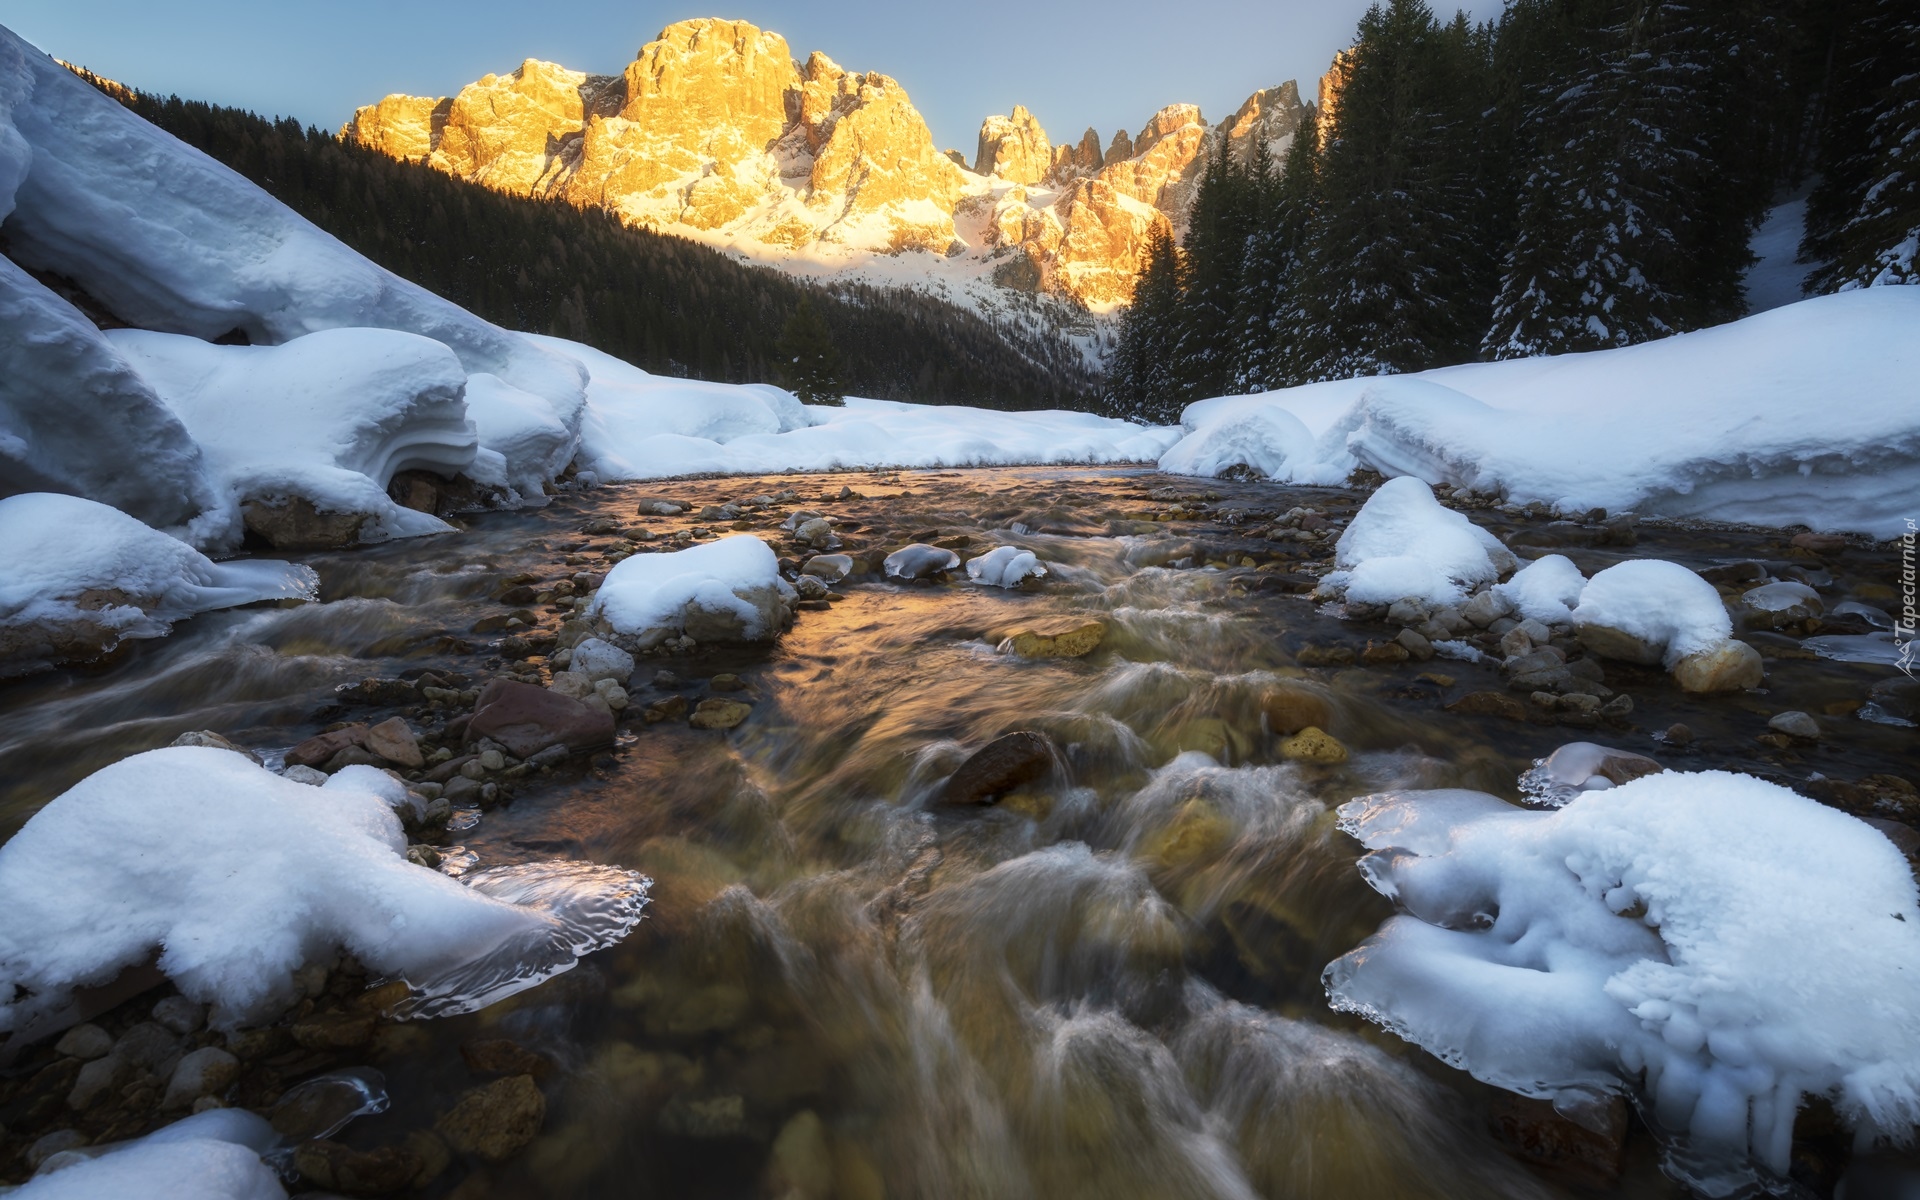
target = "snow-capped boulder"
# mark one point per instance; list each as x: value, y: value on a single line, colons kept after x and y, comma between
x: 724, y: 591
x: 1545, y: 590
x: 237, y: 877
x: 326, y: 419
x: 1403, y: 545
x: 1714, y: 941
x: 81, y: 576
x: 523, y: 442
x: 213, y: 1155
x: 75, y: 417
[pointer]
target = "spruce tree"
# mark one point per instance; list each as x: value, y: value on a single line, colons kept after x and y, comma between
x: 1392, y: 279
x: 1863, y: 219
x: 809, y: 363
x: 1142, y: 382
x: 1214, y: 259
x: 1644, y: 178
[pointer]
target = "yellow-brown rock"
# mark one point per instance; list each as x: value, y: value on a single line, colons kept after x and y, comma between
x: 1315, y: 746
x: 1059, y: 639
x: 1014, y: 148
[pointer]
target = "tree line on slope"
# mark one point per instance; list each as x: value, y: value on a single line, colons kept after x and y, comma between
x: 663, y: 303
x: 1578, y: 175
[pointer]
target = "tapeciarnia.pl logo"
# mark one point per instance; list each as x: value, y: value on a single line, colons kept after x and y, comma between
x: 1904, y: 626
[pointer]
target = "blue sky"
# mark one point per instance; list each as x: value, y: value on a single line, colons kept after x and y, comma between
x: 1102, y: 64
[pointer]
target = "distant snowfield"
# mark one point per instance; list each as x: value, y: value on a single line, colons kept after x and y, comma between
x: 1805, y: 415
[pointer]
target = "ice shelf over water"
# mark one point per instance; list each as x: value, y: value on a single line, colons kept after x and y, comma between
x: 1806, y: 414
x: 237, y: 877
x: 1717, y: 943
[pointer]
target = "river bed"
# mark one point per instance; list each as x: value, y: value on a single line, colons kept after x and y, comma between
x: 1105, y: 985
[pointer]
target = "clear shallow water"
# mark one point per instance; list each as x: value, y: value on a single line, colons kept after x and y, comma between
x: 1105, y: 986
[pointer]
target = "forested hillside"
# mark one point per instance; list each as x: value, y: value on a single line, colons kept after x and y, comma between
x: 1578, y: 175
x: 663, y: 303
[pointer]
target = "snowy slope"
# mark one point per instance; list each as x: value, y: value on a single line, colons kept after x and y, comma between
x: 168, y: 240
x: 1808, y: 414
x: 642, y: 426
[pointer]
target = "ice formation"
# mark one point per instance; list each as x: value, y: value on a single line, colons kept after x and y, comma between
x: 81, y: 576
x: 919, y: 561
x: 1004, y: 567
x: 1662, y: 604
x: 735, y: 579
x: 237, y: 877
x: 1403, y: 543
x: 1715, y: 943
x: 1545, y: 590
x: 213, y: 1155
x: 1732, y: 423
x: 328, y: 417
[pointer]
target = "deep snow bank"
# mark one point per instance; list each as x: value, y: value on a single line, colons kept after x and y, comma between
x: 81, y: 576
x: 170, y: 239
x: 68, y: 401
x: 237, y: 877
x: 1718, y: 941
x: 1807, y: 414
x: 642, y: 426
x: 166, y: 239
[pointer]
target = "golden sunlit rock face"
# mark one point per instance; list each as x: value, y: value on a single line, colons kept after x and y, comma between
x: 716, y: 132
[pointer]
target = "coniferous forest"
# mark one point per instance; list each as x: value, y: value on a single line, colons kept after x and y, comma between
x: 1577, y: 175
x: 666, y: 304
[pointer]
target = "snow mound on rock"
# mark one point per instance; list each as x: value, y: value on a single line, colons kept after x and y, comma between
x: 733, y: 582
x: 237, y: 877
x: 1663, y: 604
x: 329, y: 417
x: 1719, y: 942
x: 81, y: 576
x: 1402, y: 543
x: 1545, y: 590
x: 1733, y: 423
x: 214, y: 1155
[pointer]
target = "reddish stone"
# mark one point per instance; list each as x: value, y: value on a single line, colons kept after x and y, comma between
x: 998, y: 767
x: 315, y: 751
x: 527, y: 719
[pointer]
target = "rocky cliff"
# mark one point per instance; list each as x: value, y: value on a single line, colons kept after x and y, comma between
x: 716, y: 132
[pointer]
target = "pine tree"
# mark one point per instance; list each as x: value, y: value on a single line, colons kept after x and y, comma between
x: 1863, y: 220
x: 1214, y: 259
x: 1142, y: 381
x: 809, y: 364
x: 1391, y: 279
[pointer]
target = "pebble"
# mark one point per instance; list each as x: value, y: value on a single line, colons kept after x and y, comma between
x: 1313, y: 745
x: 1677, y: 735
x: 715, y: 713
x: 1795, y: 724
x: 205, y: 1072
x: 310, y: 776
x: 1291, y: 709
x: 1415, y: 644
x: 85, y: 1042
x: 495, y: 1121
x: 180, y: 1014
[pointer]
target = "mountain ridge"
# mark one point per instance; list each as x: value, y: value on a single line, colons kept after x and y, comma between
x: 715, y: 131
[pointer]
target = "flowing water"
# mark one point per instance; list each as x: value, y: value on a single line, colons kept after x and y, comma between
x: 1105, y: 986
